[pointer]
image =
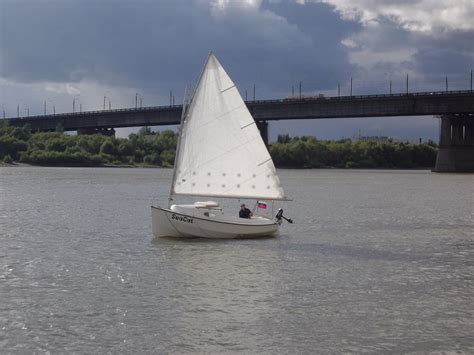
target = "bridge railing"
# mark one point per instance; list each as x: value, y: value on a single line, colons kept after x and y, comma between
x: 86, y: 113
x: 348, y: 97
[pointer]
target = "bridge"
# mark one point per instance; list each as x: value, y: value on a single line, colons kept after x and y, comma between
x: 456, y: 108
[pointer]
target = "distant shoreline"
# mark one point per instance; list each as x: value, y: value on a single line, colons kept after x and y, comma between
x: 22, y: 165
x: 111, y: 166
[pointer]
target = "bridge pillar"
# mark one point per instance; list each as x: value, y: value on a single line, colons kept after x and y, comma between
x: 263, y: 128
x: 456, y: 144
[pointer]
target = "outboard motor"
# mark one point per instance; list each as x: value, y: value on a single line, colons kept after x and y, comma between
x: 279, y: 216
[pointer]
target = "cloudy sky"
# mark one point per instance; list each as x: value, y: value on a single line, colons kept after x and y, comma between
x: 57, y: 51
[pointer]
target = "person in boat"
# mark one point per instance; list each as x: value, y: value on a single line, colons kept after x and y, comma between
x: 244, y: 212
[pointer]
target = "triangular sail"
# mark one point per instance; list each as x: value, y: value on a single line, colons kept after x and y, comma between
x: 221, y: 152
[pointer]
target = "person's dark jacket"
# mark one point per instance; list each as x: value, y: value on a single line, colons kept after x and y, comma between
x: 245, y: 213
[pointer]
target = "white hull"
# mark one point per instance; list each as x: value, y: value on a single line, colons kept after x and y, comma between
x: 189, y: 221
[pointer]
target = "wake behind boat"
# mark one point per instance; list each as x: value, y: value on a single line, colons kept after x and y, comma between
x: 220, y: 153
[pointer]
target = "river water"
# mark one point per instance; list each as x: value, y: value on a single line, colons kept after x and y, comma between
x: 376, y: 262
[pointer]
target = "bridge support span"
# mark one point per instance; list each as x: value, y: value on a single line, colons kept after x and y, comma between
x: 456, y: 144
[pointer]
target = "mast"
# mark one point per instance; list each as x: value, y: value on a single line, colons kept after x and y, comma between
x: 183, y: 117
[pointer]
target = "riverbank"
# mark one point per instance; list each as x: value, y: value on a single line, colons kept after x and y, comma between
x: 23, y: 165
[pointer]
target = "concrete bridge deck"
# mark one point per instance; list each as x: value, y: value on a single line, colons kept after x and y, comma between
x: 412, y: 104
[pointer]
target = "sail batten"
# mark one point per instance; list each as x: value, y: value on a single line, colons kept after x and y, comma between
x: 233, y: 86
x: 263, y: 162
x: 221, y: 152
x: 251, y: 123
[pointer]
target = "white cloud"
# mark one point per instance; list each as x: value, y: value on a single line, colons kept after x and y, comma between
x: 62, y: 88
x: 349, y: 43
x: 221, y: 6
x: 427, y: 16
x: 369, y: 58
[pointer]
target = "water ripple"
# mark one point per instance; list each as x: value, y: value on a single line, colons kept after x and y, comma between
x: 376, y: 262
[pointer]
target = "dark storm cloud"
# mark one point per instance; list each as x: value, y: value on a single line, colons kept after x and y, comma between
x: 450, y: 54
x: 145, y: 44
x: 116, y: 42
x: 324, y: 63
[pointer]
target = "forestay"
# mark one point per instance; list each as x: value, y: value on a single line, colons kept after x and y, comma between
x: 221, y: 152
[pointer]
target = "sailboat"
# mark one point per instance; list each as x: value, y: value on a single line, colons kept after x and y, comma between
x: 220, y: 153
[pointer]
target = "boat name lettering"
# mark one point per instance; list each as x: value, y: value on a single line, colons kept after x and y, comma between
x: 182, y: 218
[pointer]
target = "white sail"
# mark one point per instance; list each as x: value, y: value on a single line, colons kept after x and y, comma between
x: 221, y: 152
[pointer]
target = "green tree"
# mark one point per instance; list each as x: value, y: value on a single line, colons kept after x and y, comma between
x: 283, y: 138
x: 153, y: 159
x: 7, y: 159
x: 11, y: 146
x: 144, y: 131
x: 108, y: 147
x: 22, y: 133
x: 167, y: 158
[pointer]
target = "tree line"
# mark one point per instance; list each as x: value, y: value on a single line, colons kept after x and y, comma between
x: 309, y: 152
x: 144, y: 148
x: 147, y: 148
